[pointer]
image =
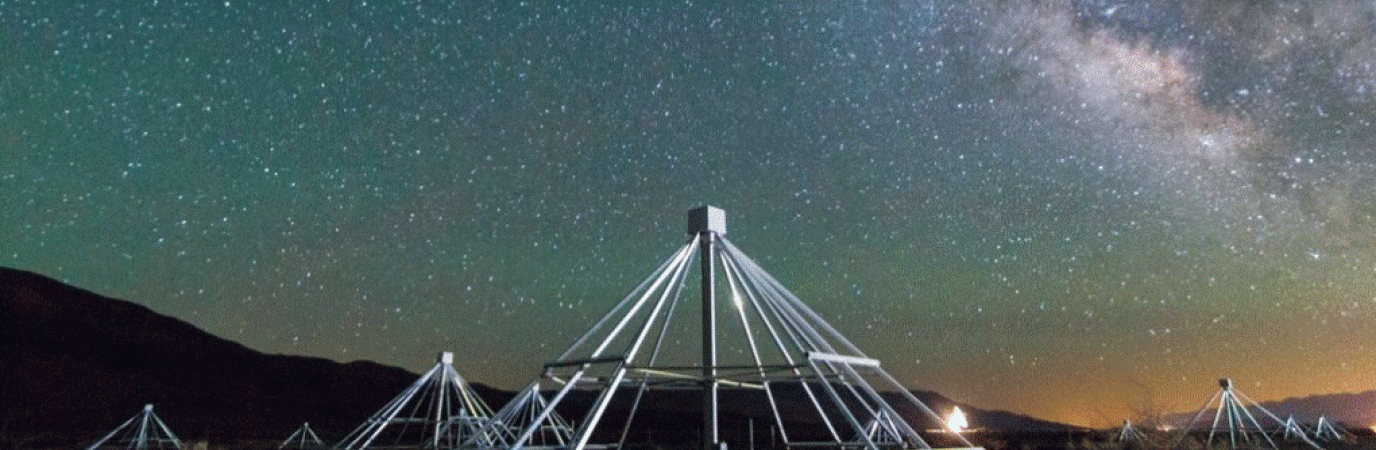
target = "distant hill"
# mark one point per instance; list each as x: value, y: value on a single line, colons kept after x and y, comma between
x: 1353, y: 410
x: 74, y: 364
x: 991, y: 419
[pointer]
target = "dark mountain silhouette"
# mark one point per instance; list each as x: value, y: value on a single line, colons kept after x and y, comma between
x: 1351, y: 409
x: 74, y: 364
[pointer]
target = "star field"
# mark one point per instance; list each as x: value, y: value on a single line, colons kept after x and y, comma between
x: 1060, y: 208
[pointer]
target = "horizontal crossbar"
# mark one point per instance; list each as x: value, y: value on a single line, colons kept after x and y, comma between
x: 842, y: 359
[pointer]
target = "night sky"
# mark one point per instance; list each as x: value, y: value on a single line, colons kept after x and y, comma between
x: 1065, y: 209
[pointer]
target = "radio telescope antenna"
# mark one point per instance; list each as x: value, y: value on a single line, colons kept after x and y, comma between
x: 1128, y: 434
x: 759, y: 344
x: 439, y: 410
x: 144, y: 431
x: 1292, y: 430
x: 1233, y: 419
x: 1325, y: 430
x: 301, y: 439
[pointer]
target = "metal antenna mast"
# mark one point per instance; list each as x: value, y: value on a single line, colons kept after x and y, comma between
x: 708, y: 222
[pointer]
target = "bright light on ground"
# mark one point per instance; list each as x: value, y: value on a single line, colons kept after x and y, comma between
x: 956, y: 422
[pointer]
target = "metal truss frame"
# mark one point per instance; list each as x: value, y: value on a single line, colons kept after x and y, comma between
x: 440, y: 410
x: 303, y: 438
x: 1232, y: 416
x: 781, y: 348
x: 144, y: 431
